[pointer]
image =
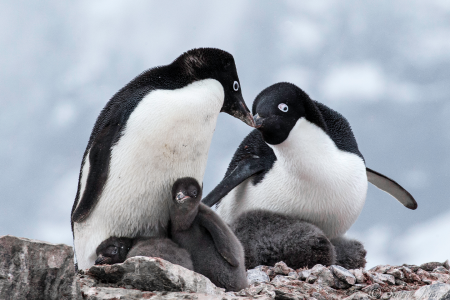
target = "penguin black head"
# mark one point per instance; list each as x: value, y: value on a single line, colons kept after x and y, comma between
x: 278, y: 108
x: 113, y: 250
x: 204, y: 63
x: 186, y: 193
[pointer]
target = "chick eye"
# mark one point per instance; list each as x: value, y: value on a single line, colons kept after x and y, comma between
x: 194, y: 193
x: 236, y: 86
x: 283, y: 107
x: 114, y: 252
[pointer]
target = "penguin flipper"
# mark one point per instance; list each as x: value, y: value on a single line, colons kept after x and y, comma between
x: 224, y: 239
x: 391, y: 187
x: 244, y: 170
x: 99, y: 158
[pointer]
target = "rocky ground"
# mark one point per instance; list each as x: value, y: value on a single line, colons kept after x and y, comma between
x: 32, y: 269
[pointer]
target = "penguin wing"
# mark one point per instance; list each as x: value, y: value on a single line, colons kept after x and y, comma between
x: 224, y: 239
x: 244, y: 170
x: 252, y: 157
x: 99, y: 155
x: 391, y: 187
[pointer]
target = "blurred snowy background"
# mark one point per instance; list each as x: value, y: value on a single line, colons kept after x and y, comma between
x: 384, y: 65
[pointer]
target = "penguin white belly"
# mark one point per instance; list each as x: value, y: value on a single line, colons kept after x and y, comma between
x: 166, y: 137
x: 311, y: 179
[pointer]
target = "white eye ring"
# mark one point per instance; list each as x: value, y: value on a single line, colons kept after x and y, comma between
x: 283, y: 107
x: 236, y: 86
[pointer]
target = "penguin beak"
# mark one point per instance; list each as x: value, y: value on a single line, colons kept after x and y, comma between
x: 181, y: 197
x: 102, y: 260
x: 258, y: 121
x: 240, y: 110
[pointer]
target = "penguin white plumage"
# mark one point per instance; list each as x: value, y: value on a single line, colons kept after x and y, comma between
x: 155, y: 130
x: 301, y: 161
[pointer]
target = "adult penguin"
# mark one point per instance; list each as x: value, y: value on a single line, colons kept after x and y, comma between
x: 301, y: 161
x: 154, y: 130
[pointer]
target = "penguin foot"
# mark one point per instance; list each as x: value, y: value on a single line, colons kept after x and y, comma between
x: 350, y: 253
x: 269, y: 237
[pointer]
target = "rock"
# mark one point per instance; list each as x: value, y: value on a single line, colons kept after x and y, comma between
x: 358, y: 296
x: 343, y: 274
x: 383, y: 278
x: 266, y: 269
x: 31, y: 269
x: 293, y: 275
x: 381, y: 269
x: 153, y: 274
x: 429, y: 292
x: 311, y: 279
x: 430, y: 266
x: 281, y: 268
x: 396, y: 273
x: 359, y: 275
x: 302, y: 275
x: 441, y: 269
x: 324, y: 276
x: 441, y: 277
x: 257, y: 275
x: 447, y: 265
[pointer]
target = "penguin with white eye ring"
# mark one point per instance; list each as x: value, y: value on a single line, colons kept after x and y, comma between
x: 154, y: 130
x: 302, y: 161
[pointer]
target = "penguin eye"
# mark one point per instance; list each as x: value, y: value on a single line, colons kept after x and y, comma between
x: 114, y: 252
x: 236, y: 86
x: 194, y: 193
x: 283, y: 107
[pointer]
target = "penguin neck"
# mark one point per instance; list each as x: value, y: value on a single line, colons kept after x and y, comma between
x: 181, y: 218
x: 306, y: 147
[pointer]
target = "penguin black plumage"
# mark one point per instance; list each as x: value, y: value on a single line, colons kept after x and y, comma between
x: 301, y: 161
x: 116, y: 250
x: 154, y: 130
x: 215, y: 251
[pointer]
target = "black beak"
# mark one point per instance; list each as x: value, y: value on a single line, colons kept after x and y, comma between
x: 239, y: 109
x: 181, y: 197
x: 102, y: 260
x: 258, y: 120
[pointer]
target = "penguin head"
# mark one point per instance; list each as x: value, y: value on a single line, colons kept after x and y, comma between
x: 113, y: 250
x: 278, y: 108
x: 186, y: 193
x: 204, y: 63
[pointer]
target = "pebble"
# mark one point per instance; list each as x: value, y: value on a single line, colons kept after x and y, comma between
x: 430, y: 266
x: 257, y: 275
x: 302, y: 275
x: 359, y: 275
x: 281, y: 268
x: 441, y: 277
x: 358, y: 296
x: 441, y: 269
x: 396, y: 273
x: 383, y: 278
x: 343, y: 274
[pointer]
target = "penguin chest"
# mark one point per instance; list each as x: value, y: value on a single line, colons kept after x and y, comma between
x: 312, y: 180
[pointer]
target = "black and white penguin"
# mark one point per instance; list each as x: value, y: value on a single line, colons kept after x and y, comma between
x: 215, y: 251
x: 116, y: 250
x: 302, y: 161
x: 154, y: 130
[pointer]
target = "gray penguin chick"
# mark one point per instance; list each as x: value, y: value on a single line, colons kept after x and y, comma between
x: 116, y: 250
x: 215, y: 251
x: 350, y: 253
x: 270, y: 237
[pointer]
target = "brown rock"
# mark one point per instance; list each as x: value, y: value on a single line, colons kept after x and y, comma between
x: 31, y: 269
x: 153, y: 274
